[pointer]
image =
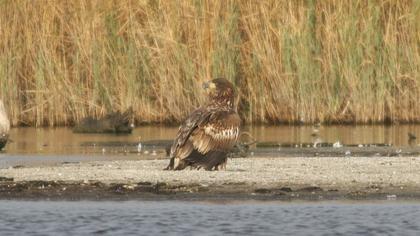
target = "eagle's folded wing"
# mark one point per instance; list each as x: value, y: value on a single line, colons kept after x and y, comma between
x: 219, y: 133
x: 182, y: 147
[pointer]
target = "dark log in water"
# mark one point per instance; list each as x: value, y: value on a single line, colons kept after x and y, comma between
x: 115, y: 122
x: 3, y: 141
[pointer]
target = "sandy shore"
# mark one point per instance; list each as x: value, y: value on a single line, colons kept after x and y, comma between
x: 283, y: 178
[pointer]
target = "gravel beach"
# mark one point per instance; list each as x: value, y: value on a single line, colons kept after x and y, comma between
x: 335, y: 176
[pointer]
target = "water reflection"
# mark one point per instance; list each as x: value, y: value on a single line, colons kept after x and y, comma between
x: 64, y: 141
x: 350, y: 135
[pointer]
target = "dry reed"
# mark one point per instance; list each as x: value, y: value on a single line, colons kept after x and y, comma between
x: 292, y: 61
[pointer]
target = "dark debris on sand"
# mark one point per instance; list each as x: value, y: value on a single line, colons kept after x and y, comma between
x: 93, y: 190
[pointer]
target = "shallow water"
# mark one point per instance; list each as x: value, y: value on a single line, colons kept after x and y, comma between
x: 44, y: 146
x: 208, y: 218
x: 64, y: 141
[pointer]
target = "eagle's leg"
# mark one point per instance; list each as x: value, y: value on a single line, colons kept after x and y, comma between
x: 180, y: 164
x: 218, y: 167
x: 222, y: 165
x: 176, y: 164
x: 209, y: 168
x: 171, y: 165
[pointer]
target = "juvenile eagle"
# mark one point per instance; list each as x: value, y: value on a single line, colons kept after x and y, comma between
x: 209, y: 132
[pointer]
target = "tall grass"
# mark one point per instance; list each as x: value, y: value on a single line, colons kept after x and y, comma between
x: 292, y: 61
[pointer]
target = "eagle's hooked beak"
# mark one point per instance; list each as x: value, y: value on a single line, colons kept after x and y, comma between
x: 208, y: 84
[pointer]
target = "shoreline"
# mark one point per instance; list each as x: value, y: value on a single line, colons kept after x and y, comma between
x: 262, y: 178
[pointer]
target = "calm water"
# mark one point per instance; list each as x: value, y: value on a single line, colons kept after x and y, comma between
x: 203, y: 218
x: 64, y: 141
x: 45, y: 146
x: 42, y: 146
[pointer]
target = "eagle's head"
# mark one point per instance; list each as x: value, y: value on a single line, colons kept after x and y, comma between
x: 220, y: 92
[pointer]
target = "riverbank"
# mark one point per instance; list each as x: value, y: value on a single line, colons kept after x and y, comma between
x: 290, y: 178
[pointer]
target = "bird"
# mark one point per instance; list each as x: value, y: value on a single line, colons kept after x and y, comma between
x: 337, y: 144
x: 315, y: 129
x: 4, y: 126
x: 317, y: 141
x: 139, y: 145
x: 207, y: 135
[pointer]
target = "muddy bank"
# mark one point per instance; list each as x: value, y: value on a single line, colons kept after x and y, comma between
x: 253, y: 178
x: 60, y: 190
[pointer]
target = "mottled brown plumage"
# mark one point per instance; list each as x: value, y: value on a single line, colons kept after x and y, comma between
x: 209, y: 132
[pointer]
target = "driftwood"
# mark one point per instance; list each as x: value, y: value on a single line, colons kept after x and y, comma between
x: 115, y: 122
x: 241, y: 148
x: 4, y: 126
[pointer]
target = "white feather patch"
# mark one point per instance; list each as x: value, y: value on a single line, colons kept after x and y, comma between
x: 222, y: 133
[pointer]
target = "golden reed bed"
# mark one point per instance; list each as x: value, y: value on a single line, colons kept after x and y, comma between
x: 292, y: 61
